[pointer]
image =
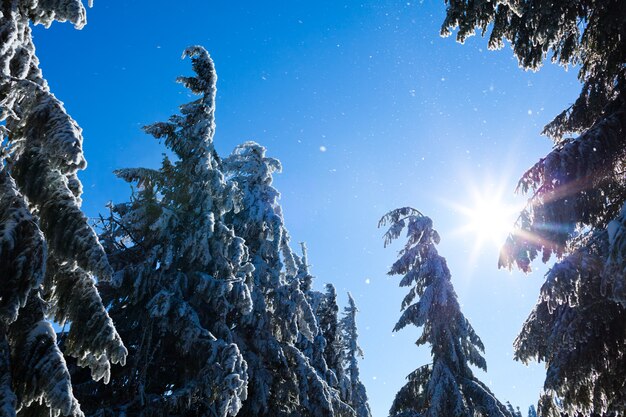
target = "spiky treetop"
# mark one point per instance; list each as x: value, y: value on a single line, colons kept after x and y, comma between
x: 357, y: 396
x: 182, y: 273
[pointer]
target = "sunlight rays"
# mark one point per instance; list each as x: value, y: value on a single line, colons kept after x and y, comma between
x: 489, y: 219
x: 486, y: 218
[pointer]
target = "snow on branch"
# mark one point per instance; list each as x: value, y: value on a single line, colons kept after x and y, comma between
x: 92, y: 338
x: 580, y: 183
x: 39, y: 362
x: 22, y: 250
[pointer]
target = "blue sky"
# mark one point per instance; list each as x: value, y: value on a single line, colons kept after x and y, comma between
x: 368, y: 109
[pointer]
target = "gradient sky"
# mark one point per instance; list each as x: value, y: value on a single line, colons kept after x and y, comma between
x: 368, y: 109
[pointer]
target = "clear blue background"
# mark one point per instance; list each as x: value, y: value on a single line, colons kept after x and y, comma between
x: 405, y: 117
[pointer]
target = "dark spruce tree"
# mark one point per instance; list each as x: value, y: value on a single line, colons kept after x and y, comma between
x: 48, y: 252
x: 577, y: 196
x: 446, y: 387
x: 515, y: 412
x: 330, y: 327
x: 356, y: 394
x: 181, y: 275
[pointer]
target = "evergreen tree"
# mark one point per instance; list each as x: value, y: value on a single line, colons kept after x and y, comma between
x: 446, y: 387
x: 259, y: 223
x: 313, y: 348
x: 48, y: 251
x: 515, y: 412
x: 181, y: 275
x: 578, y: 192
x: 283, y: 380
x: 357, y: 397
x: 330, y: 328
x: 316, y: 348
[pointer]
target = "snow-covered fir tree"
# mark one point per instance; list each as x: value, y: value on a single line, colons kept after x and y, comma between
x: 284, y: 381
x: 259, y: 223
x: 328, y: 318
x: 357, y: 396
x: 181, y: 275
x: 48, y: 252
x: 446, y: 387
x: 314, y: 346
x: 515, y: 412
x: 577, y: 198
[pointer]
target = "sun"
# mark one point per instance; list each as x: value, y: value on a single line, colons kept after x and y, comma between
x: 487, y: 218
